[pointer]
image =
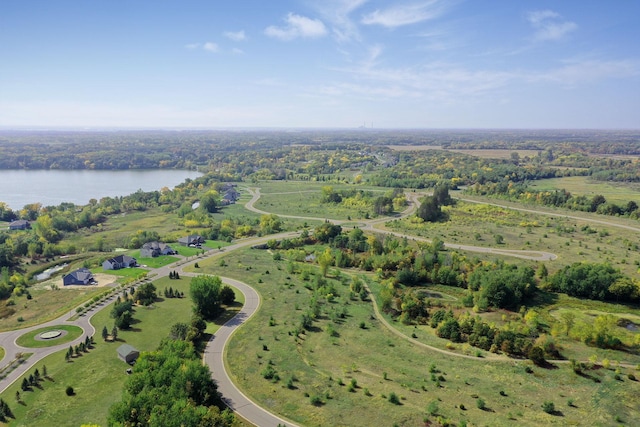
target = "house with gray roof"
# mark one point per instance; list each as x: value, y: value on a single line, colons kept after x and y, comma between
x: 154, y: 249
x: 121, y: 261
x: 20, y: 224
x: 81, y: 276
x: 193, y: 240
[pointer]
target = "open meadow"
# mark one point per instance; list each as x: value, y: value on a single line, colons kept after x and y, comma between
x: 304, y: 199
x: 571, y: 239
x: 616, y: 192
x: 346, y: 367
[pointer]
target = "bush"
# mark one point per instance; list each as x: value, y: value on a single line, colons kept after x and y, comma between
x: 548, y: 407
x: 433, y: 408
x: 268, y: 372
x: 480, y: 403
x: 393, y: 398
x: 69, y: 390
x: 315, y: 400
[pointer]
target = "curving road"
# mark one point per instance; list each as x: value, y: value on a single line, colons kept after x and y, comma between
x: 369, y: 225
x: 214, y: 352
x: 214, y: 357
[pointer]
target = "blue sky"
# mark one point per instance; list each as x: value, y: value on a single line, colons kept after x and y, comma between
x: 320, y: 63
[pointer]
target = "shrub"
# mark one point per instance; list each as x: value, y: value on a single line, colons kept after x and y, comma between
x: 393, y: 398
x: 480, y: 403
x: 433, y: 408
x: 548, y: 407
x: 69, y: 390
x: 268, y: 373
x: 315, y: 400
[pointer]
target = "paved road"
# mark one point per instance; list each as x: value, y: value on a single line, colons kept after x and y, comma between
x: 8, y: 342
x: 214, y: 352
x: 214, y: 357
x: 555, y: 214
x: 414, y: 203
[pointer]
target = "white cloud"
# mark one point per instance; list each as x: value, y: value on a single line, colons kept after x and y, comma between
x: 210, y: 47
x: 237, y: 51
x: 587, y: 71
x: 452, y: 83
x: 237, y: 36
x: 538, y: 16
x: 549, y: 25
x: 337, y: 13
x: 297, y: 26
x: 406, y: 14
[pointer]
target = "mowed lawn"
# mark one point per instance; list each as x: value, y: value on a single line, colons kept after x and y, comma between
x: 46, y: 305
x: 98, y: 376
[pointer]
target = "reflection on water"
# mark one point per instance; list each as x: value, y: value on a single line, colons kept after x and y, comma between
x: 52, y: 187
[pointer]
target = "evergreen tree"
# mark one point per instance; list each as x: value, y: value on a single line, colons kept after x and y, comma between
x: 114, y: 333
x: 25, y: 385
x: 105, y: 333
x: 44, y: 371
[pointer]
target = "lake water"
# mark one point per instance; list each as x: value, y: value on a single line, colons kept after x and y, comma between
x: 52, y: 187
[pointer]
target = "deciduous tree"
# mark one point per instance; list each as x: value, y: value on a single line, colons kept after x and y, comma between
x: 205, y: 293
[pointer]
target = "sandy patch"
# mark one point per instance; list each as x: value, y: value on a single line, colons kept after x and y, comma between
x: 102, y: 279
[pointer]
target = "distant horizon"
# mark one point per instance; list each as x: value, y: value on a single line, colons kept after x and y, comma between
x: 285, y: 128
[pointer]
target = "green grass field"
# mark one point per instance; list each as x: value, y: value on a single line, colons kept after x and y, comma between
x: 619, y: 193
x: 572, y: 240
x: 304, y: 199
x: 322, y: 363
x: 98, y: 376
x: 29, y: 339
x: 46, y: 305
